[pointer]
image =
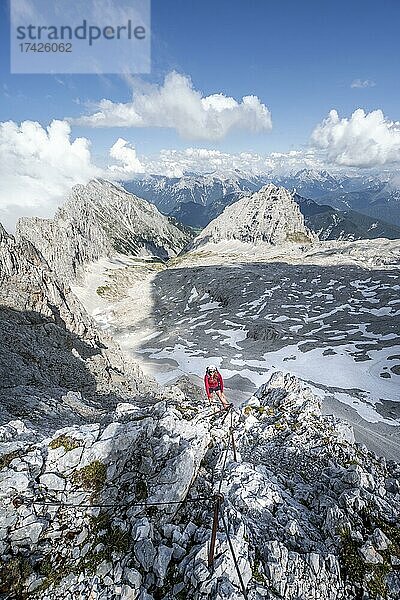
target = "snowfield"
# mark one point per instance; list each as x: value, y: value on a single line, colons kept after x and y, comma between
x: 328, y: 319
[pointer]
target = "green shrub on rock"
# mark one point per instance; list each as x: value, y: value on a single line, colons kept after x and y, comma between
x: 64, y: 441
x: 92, y: 477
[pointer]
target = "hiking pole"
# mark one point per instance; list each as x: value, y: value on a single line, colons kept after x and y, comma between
x: 218, y: 498
x: 233, y: 440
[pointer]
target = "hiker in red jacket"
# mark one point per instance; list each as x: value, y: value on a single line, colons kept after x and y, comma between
x: 214, y: 383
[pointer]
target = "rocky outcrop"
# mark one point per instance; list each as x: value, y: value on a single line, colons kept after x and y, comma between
x: 124, y: 509
x: 101, y: 219
x: 268, y: 216
x: 321, y: 511
x: 55, y: 544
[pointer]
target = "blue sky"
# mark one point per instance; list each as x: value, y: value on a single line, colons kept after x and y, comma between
x: 298, y: 56
x: 256, y: 85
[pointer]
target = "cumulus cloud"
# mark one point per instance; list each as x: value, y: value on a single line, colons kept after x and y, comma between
x: 174, y: 163
x: 362, y: 83
x: 177, y: 105
x: 126, y: 154
x: 363, y: 140
x: 38, y: 166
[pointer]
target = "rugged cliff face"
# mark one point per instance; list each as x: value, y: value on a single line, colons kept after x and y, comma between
x: 101, y: 220
x: 268, y: 216
x: 50, y: 348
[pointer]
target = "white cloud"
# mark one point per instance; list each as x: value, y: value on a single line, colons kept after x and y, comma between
x: 177, y: 105
x: 363, y: 140
x: 362, y: 83
x: 38, y: 167
x: 126, y: 154
x: 174, y: 163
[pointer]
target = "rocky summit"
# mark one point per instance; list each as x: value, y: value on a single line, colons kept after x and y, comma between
x: 115, y: 487
x: 268, y: 216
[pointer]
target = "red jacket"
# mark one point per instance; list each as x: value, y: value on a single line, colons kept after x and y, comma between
x: 213, y: 382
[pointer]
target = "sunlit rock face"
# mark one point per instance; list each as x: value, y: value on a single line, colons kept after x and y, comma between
x: 268, y: 216
x: 98, y: 220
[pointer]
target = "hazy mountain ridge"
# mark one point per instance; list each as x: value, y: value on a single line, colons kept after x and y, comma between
x: 374, y: 195
x: 332, y: 224
x: 168, y: 193
x: 199, y: 215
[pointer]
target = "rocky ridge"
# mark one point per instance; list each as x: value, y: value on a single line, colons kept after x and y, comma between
x: 309, y: 513
x: 98, y: 220
x: 55, y: 366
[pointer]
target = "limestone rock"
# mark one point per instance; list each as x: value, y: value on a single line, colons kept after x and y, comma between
x: 101, y: 219
x: 52, y: 482
x: 268, y: 216
x: 370, y: 555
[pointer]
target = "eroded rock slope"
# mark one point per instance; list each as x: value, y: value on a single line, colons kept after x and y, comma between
x: 269, y: 215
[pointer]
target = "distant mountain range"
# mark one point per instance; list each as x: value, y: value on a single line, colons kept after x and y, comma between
x: 199, y: 215
x: 332, y: 224
x: 342, y: 207
x: 377, y: 197
x: 168, y: 193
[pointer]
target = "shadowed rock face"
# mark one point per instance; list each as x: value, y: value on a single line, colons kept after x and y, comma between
x: 267, y: 216
x: 50, y: 347
x: 101, y: 220
x: 3, y: 233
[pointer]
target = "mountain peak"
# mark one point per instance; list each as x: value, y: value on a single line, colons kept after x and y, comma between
x: 3, y: 233
x: 268, y: 216
x: 101, y: 219
x: 314, y: 175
